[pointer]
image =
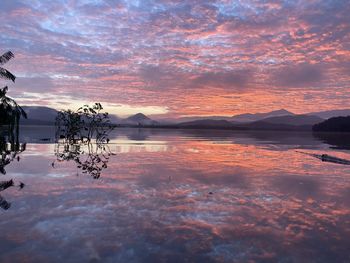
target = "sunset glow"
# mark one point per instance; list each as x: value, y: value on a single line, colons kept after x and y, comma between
x: 179, y: 58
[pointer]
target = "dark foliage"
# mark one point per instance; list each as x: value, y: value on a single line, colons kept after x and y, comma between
x: 4, y: 204
x: 3, y: 186
x: 9, y: 151
x: 10, y: 111
x: 4, y: 73
x: 83, y: 125
x: 10, y: 114
x: 336, y: 124
x: 336, y: 140
x: 6, y: 57
x: 82, y: 137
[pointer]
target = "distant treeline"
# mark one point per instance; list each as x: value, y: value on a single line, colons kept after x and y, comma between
x: 336, y: 124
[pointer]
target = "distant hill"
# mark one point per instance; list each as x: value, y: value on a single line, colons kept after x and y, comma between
x: 285, y: 122
x: 243, y: 118
x: 274, y: 120
x: 248, y: 117
x: 336, y: 124
x: 207, y: 123
x: 331, y: 113
x: 38, y: 115
x: 265, y: 126
x: 295, y: 120
x: 195, y: 118
x: 281, y: 123
x: 138, y: 119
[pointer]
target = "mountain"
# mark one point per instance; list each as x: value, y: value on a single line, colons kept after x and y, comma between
x: 207, y: 123
x: 295, y: 120
x: 243, y: 118
x: 274, y: 120
x: 265, y: 126
x: 303, y: 123
x: 331, y: 113
x: 38, y: 115
x: 193, y: 118
x: 282, y: 123
x: 248, y: 117
x: 138, y: 119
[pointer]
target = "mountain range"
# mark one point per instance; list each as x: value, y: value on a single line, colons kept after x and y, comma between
x: 286, y: 122
x: 38, y: 115
x: 274, y: 120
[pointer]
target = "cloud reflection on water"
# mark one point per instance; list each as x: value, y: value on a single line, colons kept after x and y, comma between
x: 154, y: 204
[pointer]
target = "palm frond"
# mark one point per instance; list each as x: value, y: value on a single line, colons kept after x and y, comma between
x: 22, y: 112
x: 3, y: 91
x: 11, y: 106
x: 5, y: 74
x: 6, y: 57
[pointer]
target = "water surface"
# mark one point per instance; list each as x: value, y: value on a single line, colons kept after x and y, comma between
x: 181, y: 196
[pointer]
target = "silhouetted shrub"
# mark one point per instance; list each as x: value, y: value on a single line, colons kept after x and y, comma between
x: 74, y: 134
x: 336, y: 124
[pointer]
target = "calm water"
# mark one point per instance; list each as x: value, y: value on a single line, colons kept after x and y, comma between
x: 181, y: 196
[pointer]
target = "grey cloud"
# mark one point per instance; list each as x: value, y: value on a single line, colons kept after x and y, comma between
x: 234, y: 79
x: 299, y: 75
x: 34, y: 84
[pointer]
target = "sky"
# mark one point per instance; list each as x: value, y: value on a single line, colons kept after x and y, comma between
x: 172, y: 58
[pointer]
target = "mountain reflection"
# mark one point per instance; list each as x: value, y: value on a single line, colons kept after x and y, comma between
x: 194, y: 197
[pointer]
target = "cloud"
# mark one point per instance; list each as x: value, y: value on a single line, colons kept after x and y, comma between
x: 228, y: 80
x: 181, y: 54
x: 305, y: 75
x: 11, y: 5
x: 34, y: 84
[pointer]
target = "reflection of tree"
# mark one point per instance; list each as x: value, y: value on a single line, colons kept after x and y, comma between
x: 91, y: 158
x: 9, y: 151
x: 75, y: 132
x: 339, y: 141
x: 10, y: 114
x: 4, y: 185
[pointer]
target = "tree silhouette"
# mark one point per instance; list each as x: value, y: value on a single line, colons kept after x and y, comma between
x: 10, y: 111
x: 335, y: 124
x: 75, y: 132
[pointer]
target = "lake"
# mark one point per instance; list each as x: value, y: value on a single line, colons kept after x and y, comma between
x: 179, y: 196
